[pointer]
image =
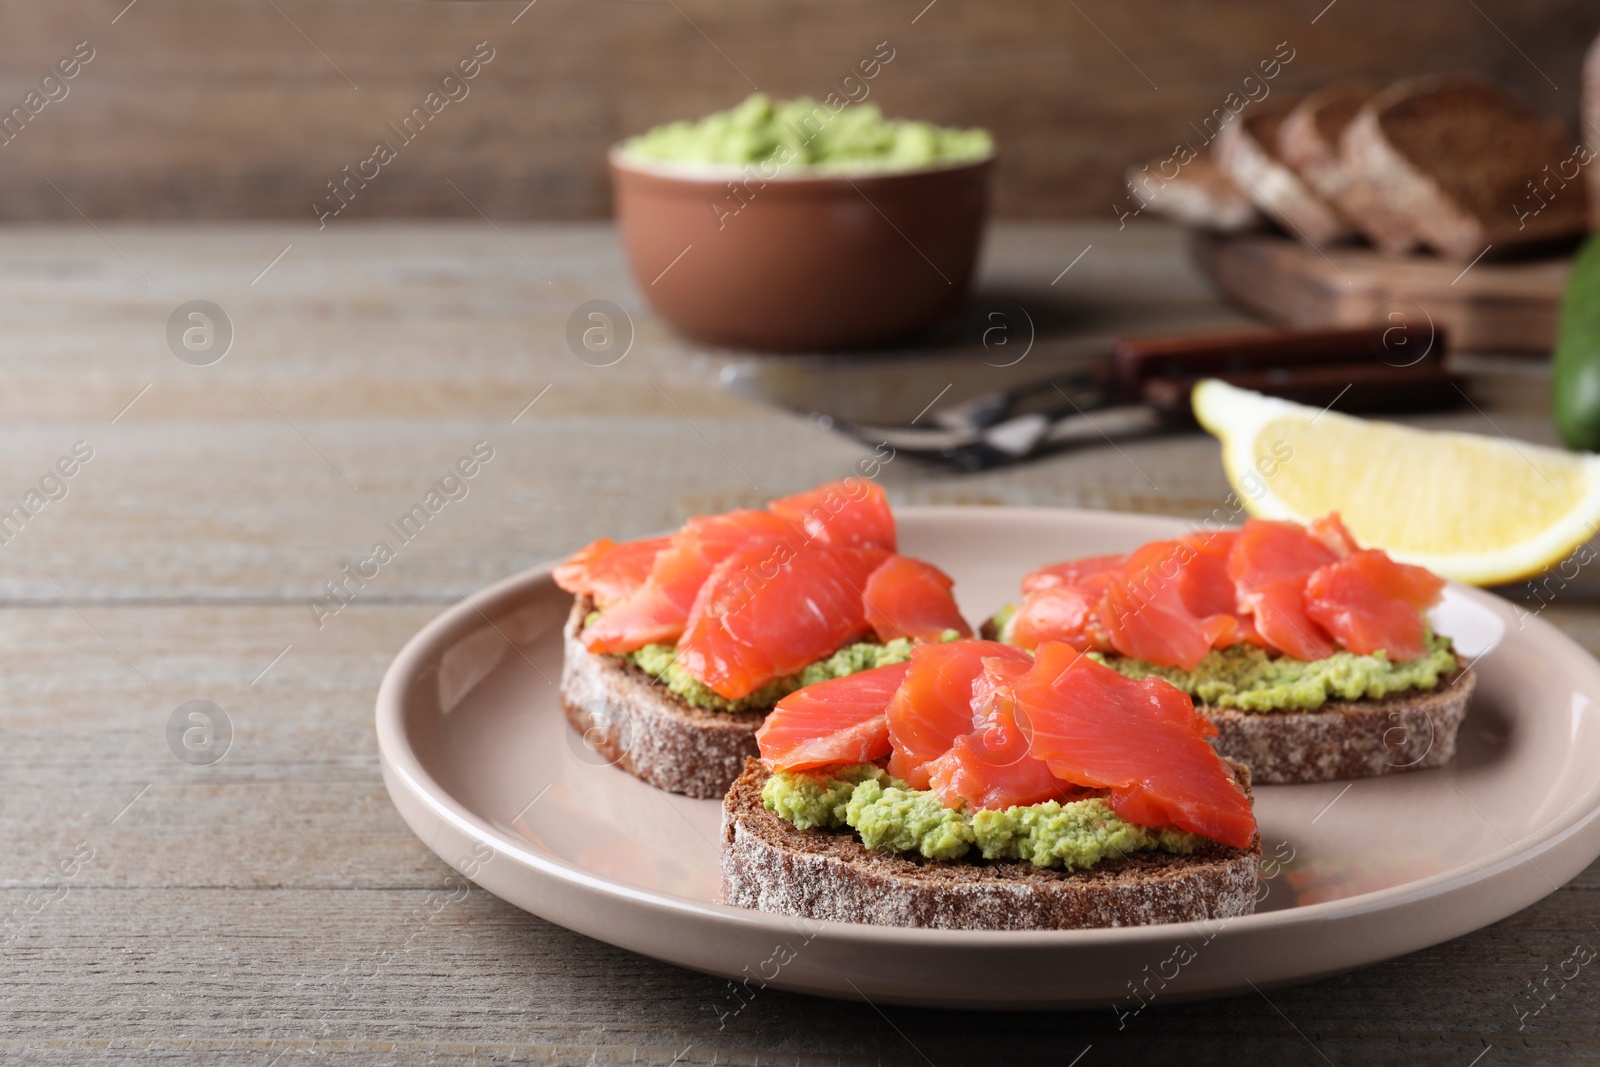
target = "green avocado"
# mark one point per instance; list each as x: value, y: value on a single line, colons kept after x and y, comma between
x: 661, y: 662
x: 890, y: 816
x: 806, y: 133
x: 1248, y: 678
x: 1252, y: 679
x: 1575, y: 372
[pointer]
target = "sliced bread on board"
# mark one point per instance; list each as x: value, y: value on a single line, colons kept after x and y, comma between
x: 1461, y: 166
x: 1308, y: 139
x: 1247, y: 151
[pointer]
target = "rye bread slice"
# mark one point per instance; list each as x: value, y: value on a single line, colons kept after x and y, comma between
x: 1199, y: 195
x: 1406, y: 731
x: 642, y: 727
x: 1308, y: 140
x: 769, y: 865
x: 1448, y: 162
x: 1247, y: 151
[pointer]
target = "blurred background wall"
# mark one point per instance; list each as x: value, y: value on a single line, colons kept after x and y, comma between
x: 247, y: 108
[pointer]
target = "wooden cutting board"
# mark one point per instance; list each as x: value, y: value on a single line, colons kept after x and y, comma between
x: 1498, y: 308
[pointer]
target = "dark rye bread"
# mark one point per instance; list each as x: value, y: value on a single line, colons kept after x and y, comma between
x: 1308, y: 140
x: 769, y: 865
x: 1448, y: 162
x: 1247, y: 151
x: 642, y: 727
x: 1407, y: 731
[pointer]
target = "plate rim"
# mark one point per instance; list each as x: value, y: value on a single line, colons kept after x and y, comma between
x: 400, y: 764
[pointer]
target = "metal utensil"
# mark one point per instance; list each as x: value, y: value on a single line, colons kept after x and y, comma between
x: 1144, y: 388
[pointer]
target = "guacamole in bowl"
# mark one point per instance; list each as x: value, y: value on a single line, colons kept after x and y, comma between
x: 802, y: 226
x: 807, y: 136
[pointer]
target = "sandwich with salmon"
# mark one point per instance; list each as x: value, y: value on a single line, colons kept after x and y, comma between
x: 1314, y: 658
x: 677, y: 647
x: 980, y: 787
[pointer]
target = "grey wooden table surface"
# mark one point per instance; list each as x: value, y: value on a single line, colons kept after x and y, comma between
x: 271, y: 908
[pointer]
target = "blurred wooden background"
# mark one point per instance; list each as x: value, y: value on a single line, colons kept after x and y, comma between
x: 247, y: 108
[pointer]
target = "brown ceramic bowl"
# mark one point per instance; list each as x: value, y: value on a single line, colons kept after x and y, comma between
x: 802, y: 262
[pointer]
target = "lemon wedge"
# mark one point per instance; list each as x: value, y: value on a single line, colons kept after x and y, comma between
x: 1471, y: 507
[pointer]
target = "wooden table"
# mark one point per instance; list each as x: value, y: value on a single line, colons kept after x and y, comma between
x: 271, y: 907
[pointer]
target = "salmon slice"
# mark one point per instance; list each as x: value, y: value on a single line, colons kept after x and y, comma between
x: 608, y: 570
x: 768, y: 610
x: 1141, y: 740
x: 1060, y: 603
x: 1146, y: 615
x: 1072, y: 572
x: 934, y: 706
x: 909, y: 598
x: 1209, y: 590
x: 1270, y: 564
x: 1331, y: 532
x: 1368, y: 602
x: 1204, y: 582
x: 658, y: 610
x: 849, y: 513
x: 991, y: 767
x: 838, y: 721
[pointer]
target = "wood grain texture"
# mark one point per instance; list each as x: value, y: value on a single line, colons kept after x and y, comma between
x: 1489, y: 307
x: 206, y: 109
x: 272, y: 907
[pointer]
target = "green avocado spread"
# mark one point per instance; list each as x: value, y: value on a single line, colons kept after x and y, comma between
x: 1248, y: 678
x: 889, y: 815
x: 661, y: 662
x: 809, y: 134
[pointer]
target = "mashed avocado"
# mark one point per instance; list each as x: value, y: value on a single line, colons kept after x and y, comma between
x: 661, y: 662
x: 806, y: 133
x: 1252, y: 679
x: 889, y: 815
x: 1247, y: 678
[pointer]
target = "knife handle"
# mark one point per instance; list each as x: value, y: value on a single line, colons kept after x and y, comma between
x: 1353, y: 388
x: 1137, y: 360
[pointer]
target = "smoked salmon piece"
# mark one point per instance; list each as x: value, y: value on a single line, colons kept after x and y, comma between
x: 767, y: 610
x: 1369, y: 602
x: 1204, y: 582
x: 849, y: 513
x: 1167, y: 602
x: 1270, y: 564
x: 1072, y: 572
x: 1141, y: 740
x: 1146, y: 615
x: 1060, y: 603
x: 838, y: 721
x: 935, y: 705
x: 992, y: 767
x: 1331, y: 532
x: 657, y: 611
x: 1060, y: 613
x: 909, y: 598
x: 1170, y: 602
x: 608, y: 570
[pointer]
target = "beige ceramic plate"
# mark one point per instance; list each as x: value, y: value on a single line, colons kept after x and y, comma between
x: 483, y: 767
